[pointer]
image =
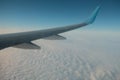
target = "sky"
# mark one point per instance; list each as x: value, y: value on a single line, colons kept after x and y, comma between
x: 37, y: 14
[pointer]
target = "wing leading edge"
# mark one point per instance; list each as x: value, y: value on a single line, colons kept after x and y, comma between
x: 14, y: 39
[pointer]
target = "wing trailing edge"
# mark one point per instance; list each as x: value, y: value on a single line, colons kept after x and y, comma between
x: 28, y: 45
x: 55, y: 37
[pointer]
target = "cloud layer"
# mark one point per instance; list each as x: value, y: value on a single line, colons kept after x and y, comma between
x: 85, y: 55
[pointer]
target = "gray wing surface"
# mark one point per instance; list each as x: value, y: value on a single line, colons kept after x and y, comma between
x: 25, y: 38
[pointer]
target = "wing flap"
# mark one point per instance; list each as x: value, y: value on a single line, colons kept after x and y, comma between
x: 27, y: 46
x: 55, y: 37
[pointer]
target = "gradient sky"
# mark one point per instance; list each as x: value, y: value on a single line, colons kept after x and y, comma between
x: 38, y: 14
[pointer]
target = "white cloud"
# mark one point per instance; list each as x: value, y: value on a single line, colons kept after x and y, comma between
x: 90, y: 55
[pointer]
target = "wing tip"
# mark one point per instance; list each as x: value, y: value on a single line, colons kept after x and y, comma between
x: 92, y: 18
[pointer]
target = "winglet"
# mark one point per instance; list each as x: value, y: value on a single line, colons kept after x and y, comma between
x: 92, y: 18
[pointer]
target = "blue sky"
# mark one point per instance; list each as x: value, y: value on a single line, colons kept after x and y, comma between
x: 37, y: 14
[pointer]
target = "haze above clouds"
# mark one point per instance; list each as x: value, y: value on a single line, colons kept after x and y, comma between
x: 85, y: 55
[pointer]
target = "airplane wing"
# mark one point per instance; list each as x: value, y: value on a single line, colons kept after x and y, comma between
x: 23, y: 39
